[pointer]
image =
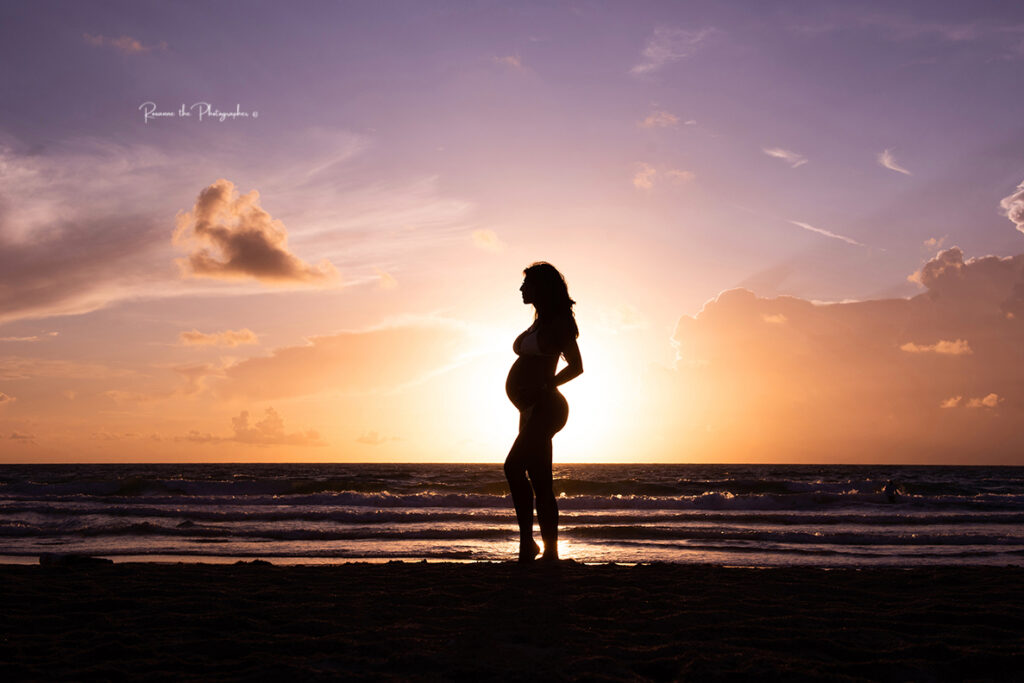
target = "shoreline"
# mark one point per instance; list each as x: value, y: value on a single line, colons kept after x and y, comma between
x: 430, y: 621
x: 35, y: 559
x: 285, y: 560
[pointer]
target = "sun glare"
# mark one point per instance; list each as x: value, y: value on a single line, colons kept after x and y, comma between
x: 603, y: 406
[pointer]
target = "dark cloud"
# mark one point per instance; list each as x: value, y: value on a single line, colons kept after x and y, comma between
x: 232, y: 237
x: 76, y: 267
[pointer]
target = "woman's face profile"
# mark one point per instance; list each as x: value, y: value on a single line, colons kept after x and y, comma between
x: 527, y: 289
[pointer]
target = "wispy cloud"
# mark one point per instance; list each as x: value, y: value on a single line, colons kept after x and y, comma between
x: 233, y: 237
x: 513, y: 61
x: 229, y: 338
x: 885, y: 158
x: 794, y: 159
x: 5, y: 399
x: 487, y: 240
x: 124, y: 44
x: 960, y: 347
x: 33, y: 338
x: 373, y: 438
x: 386, y: 280
x: 821, y: 231
x: 659, y: 119
x: 70, y: 245
x: 668, y: 45
x: 679, y: 176
x: 374, y: 360
x: 19, y: 367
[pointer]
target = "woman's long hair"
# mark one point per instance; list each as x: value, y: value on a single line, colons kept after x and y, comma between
x: 551, y: 300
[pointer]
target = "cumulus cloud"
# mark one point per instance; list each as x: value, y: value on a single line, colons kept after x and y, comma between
x: 372, y: 360
x: 659, y: 119
x: 886, y: 159
x: 124, y: 44
x: 960, y: 347
x: 229, y: 338
x: 267, y: 431
x: 935, y: 242
x: 991, y: 282
x: 270, y: 430
x: 843, y: 380
x: 990, y: 401
x: 487, y: 240
x: 232, y: 237
x: 1013, y: 206
x: 643, y: 177
x: 794, y: 159
x: 668, y: 45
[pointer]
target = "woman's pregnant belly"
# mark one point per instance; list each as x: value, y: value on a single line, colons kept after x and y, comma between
x: 524, y: 382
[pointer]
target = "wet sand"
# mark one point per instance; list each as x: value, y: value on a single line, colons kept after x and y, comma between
x: 417, y: 621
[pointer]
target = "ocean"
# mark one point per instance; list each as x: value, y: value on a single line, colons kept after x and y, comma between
x: 736, y: 515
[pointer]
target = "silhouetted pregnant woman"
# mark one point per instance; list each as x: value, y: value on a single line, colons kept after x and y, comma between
x: 532, y: 386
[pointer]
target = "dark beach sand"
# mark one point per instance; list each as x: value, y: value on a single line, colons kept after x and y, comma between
x: 504, y: 621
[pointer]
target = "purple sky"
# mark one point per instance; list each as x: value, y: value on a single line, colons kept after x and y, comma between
x: 658, y: 152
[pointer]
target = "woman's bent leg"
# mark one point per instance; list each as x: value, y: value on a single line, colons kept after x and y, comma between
x: 522, y: 496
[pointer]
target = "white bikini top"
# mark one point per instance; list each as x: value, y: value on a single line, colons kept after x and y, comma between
x: 526, y: 344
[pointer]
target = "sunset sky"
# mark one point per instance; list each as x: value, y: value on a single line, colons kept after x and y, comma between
x: 793, y: 229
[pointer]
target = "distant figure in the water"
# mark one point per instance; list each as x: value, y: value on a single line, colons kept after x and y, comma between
x: 892, y: 491
x: 532, y: 386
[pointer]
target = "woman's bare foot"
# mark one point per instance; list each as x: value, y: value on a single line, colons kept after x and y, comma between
x: 550, y: 554
x: 528, y: 551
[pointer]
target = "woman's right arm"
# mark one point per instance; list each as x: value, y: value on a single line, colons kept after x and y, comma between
x: 573, y: 360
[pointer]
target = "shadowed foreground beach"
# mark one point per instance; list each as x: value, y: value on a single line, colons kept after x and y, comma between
x: 471, y: 621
